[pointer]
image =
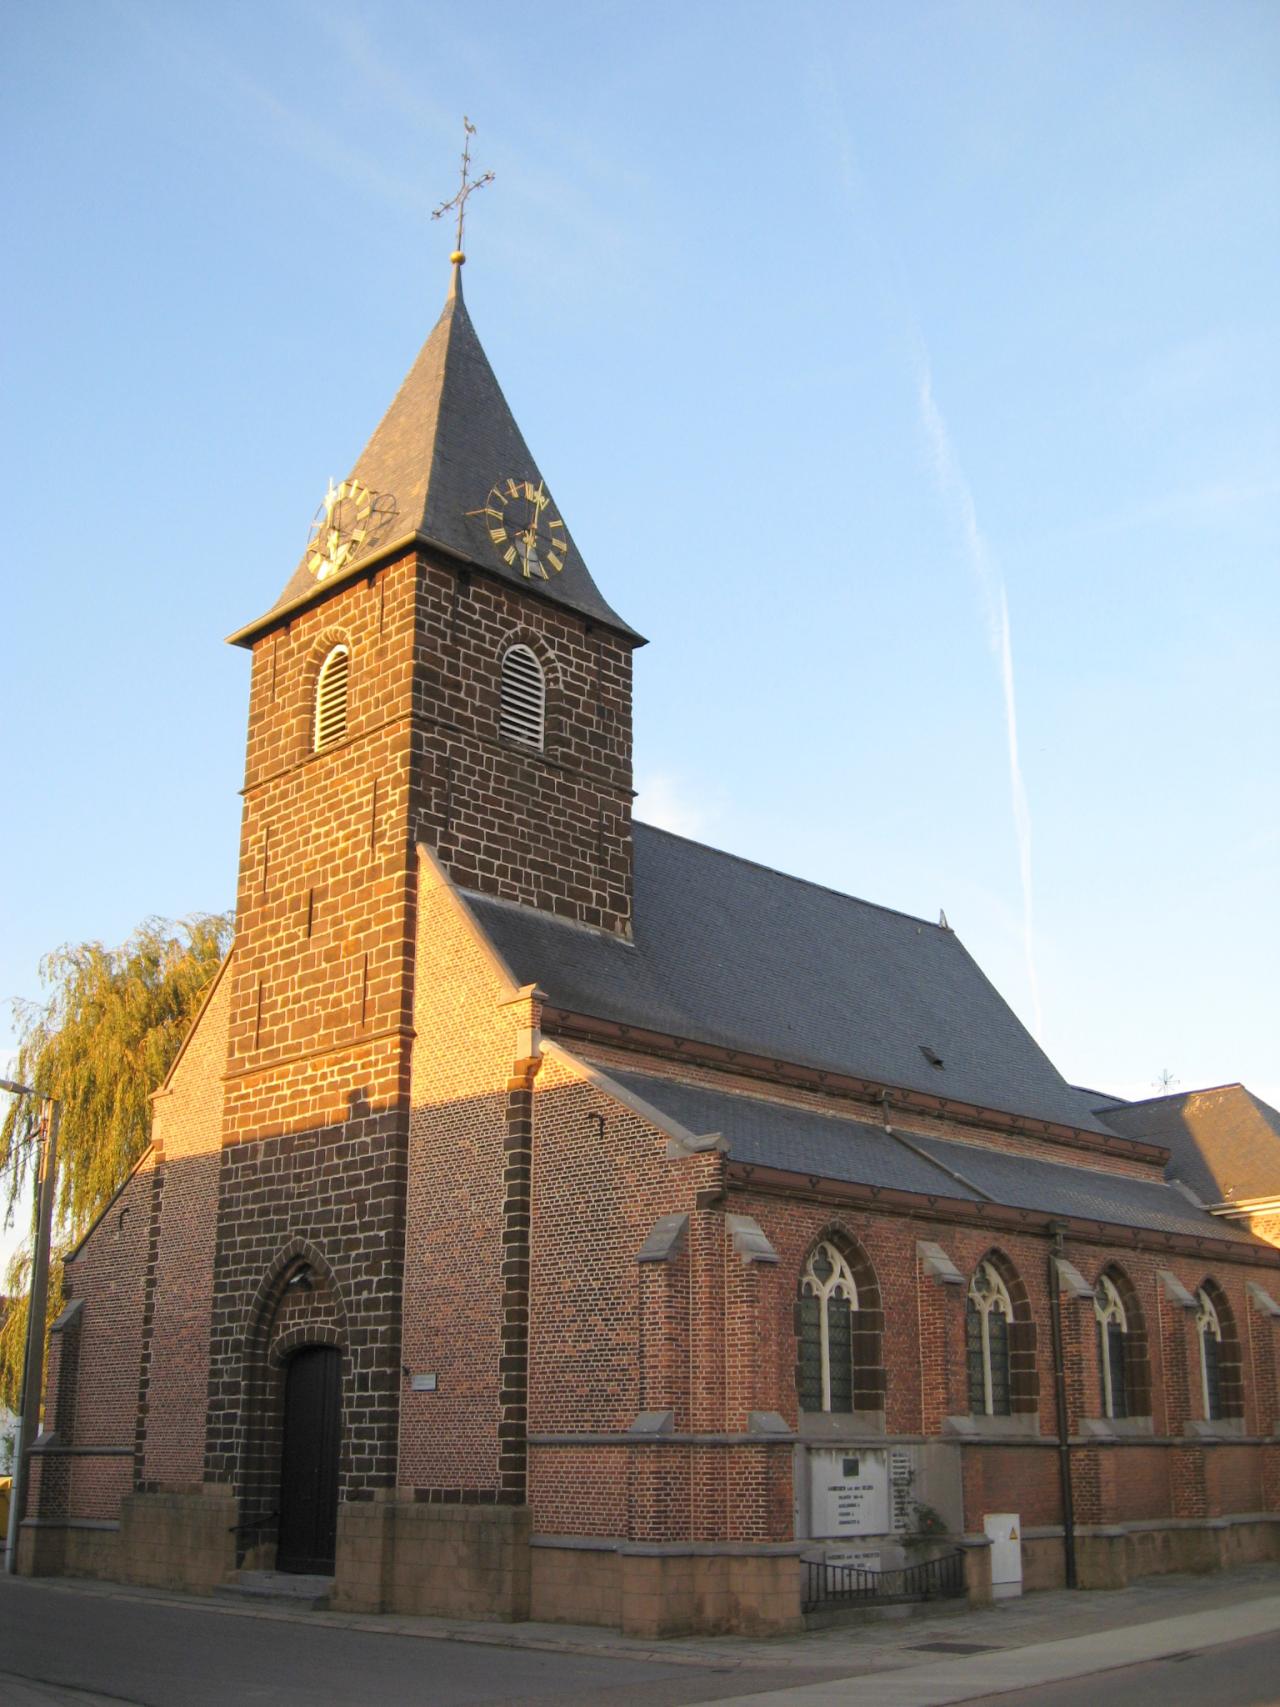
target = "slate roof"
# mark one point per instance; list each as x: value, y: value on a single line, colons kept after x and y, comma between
x: 448, y: 436
x: 730, y: 953
x: 799, y: 1140
x: 1223, y: 1142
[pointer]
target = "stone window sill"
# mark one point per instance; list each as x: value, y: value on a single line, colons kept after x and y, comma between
x: 1023, y: 1426
x: 1225, y: 1428
x: 1116, y: 1428
x: 839, y: 1425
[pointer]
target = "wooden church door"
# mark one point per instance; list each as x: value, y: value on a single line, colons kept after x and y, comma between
x: 309, y: 1461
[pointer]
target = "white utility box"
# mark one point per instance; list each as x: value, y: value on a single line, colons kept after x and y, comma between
x: 1005, y: 1530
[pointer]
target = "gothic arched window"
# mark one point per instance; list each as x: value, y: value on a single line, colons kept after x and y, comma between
x: 1113, y: 1340
x: 331, y: 698
x: 522, y: 714
x: 987, y: 1319
x: 1209, y: 1332
x: 828, y: 1300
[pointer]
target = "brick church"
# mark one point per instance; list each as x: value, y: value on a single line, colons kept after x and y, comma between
x: 548, y: 1216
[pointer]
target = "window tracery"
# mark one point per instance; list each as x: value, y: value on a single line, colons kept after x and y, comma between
x: 987, y: 1318
x: 1209, y: 1330
x: 1113, y: 1329
x: 828, y: 1300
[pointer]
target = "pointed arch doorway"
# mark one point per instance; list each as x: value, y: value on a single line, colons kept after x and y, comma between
x: 308, y: 1529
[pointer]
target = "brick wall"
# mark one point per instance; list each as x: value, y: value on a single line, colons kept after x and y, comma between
x: 108, y: 1276
x: 91, y: 1396
x: 602, y: 1178
x: 315, y: 1116
x: 187, y: 1131
x: 551, y: 828
x: 464, y: 1054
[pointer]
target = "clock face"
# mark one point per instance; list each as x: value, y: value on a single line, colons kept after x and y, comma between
x: 351, y: 520
x: 517, y: 517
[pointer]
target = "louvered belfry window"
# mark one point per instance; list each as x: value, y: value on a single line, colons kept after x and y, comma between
x: 331, y: 698
x: 524, y: 698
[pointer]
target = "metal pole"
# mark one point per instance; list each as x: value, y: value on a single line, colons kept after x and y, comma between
x: 11, y: 1531
x: 33, y: 1371
x: 1060, y: 1397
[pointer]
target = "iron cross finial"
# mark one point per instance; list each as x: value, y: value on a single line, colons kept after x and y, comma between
x: 467, y: 187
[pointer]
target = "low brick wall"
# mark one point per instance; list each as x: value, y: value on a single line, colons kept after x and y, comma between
x: 436, y: 1560
x: 69, y: 1548
x: 651, y: 1591
x: 1112, y: 1558
x: 178, y: 1541
x: 575, y: 1585
x: 1044, y: 1563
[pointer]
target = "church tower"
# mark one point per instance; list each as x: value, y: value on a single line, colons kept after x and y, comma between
x: 440, y: 669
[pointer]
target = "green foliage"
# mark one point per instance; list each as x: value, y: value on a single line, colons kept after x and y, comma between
x: 100, y: 1042
x: 14, y: 1311
x: 928, y: 1524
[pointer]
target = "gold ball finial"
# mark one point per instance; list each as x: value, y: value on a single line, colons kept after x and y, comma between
x: 457, y: 257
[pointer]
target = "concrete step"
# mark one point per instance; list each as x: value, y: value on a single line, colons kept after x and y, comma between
x: 279, y: 1588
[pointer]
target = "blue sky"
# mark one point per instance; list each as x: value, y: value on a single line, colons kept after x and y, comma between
x: 907, y: 374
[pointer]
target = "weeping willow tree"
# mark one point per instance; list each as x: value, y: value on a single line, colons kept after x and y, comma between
x: 100, y: 1041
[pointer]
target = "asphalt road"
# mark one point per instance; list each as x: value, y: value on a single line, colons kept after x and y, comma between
x: 149, y: 1654
x: 61, y: 1648
x: 1238, y: 1674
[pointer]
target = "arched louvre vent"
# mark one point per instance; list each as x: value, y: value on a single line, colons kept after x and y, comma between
x: 331, y: 698
x: 524, y: 698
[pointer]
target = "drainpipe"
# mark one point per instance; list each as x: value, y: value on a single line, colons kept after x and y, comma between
x: 1060, y: 1395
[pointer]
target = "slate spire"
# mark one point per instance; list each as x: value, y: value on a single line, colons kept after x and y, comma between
x: 447, y: 438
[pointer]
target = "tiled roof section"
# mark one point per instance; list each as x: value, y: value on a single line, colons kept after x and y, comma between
x: 1223, y: 1142
x: 733, y: 954
x: 776, y: 1135
x: 1089, y: 1194
x: 770, y: 1134
x: 448, y: 436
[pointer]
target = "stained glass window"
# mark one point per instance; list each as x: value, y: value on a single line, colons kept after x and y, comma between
x: 1113, y: 1327
x: 1210, y: 1330
x: 989, y: 1312
x: 828, y: 1299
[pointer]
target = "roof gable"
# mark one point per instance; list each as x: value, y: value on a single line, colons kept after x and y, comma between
x: 1224, y: 1142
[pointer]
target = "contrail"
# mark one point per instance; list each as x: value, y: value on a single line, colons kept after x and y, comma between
x: 955, y: 490
x: 950, y: 478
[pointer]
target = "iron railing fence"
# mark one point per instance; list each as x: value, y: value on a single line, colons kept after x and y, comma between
x: 852, y: 1585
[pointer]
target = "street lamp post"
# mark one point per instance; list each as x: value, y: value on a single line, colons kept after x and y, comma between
x: 33, y: 1366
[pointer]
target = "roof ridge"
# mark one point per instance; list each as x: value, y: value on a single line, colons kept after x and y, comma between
x: 1181, y: 1096
x: 1086, y: 1164
x: 791, y: 877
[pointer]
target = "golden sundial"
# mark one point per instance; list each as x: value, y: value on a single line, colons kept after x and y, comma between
x: 351, y: 519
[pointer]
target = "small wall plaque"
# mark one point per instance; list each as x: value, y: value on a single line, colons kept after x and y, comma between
x: 422, y: 1383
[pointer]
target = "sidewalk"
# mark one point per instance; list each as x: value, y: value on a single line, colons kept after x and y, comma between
x: 1016, y: 1669
x: 888, y: 1662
